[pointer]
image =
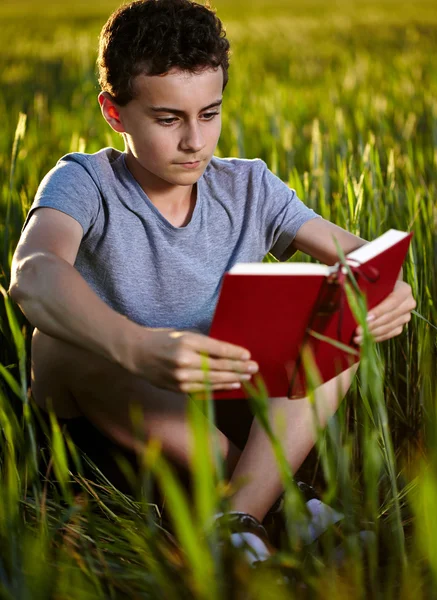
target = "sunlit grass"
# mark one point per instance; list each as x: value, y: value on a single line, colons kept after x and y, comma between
x: 340, y: 101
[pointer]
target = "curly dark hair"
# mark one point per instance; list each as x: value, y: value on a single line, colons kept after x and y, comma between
x: 153, y: 36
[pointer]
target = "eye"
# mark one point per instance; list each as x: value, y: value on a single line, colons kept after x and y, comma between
x: 171, y: 120
x: 167, y: 122
x: 210, y: 115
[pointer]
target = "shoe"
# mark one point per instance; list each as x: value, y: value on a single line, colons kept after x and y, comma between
x: 308, y: 492
x: 320, y: 517
x: 247, y: 533
x: 322, y: 521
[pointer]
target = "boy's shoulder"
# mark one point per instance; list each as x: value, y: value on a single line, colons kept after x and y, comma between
x: 248, y: 177
x: 100, y: 159
x: 95, y: 169
x: 233, y: 165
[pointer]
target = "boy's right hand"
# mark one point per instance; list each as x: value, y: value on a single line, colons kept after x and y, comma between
x: 176, y: 360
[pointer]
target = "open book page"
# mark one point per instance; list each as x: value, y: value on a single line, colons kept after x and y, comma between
x: 361, y: 255
x: 382, y: 243
x: 285, y: 268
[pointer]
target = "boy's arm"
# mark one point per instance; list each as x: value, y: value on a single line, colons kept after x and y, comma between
x: 58, y: 301
x: 386, y: 320
x: 316, y: 238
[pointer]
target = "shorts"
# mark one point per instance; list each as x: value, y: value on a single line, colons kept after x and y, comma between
x: 233, y: 418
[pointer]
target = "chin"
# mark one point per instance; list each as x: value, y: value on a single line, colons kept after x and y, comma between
x: 186, y: 178
x: 189, y: 180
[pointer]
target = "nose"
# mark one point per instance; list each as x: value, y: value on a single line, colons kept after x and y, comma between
x: 192, y: 138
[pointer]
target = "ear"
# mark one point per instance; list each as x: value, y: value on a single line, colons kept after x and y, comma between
x: 110, y: 111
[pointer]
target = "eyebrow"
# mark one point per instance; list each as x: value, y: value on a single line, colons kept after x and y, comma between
x: 176, y: 111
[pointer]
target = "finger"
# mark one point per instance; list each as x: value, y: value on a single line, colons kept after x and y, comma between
x: 401, y: 311
x: 223, y: 364
x: 386, y: 332
x: 199, y: 387
x: 401, y: 293
x: 186, y: 358
x: 217, y: 348
x: 212, y: 377
x: 386, y: 327
x: 387, y: 306
x: 391, y: 334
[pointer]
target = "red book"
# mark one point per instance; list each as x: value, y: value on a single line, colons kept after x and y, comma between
x: 276, y: 310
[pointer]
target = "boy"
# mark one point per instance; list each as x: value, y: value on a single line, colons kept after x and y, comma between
x: 122, y: 254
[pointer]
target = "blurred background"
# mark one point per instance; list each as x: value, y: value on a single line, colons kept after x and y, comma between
x: 340, y: 99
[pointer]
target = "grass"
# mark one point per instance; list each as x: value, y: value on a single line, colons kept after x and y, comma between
x: 340, y: 101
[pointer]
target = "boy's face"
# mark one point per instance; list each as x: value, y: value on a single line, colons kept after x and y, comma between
x: 186, y: 128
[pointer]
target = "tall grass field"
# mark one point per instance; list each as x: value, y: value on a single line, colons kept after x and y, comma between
x: 340, y: 99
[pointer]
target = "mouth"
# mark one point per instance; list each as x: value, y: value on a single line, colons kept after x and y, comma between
x: 190, y: 165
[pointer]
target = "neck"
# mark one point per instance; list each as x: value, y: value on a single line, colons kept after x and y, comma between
x: 160, y: 192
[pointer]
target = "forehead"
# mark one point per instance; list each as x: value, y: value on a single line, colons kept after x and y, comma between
x: 179, y: 89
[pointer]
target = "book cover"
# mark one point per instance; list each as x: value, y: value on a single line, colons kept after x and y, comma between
x: 272, y: 308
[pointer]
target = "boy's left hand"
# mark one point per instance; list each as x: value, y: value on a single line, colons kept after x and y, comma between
x: 388, y: 318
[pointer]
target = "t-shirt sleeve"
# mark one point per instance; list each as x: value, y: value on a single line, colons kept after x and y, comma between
x: 69, y: 188
x: 282, y: 213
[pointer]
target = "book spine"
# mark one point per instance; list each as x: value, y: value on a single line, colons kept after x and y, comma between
x: 328, y: 302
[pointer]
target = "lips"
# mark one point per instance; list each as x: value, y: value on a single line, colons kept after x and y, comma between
x: 190, y: 165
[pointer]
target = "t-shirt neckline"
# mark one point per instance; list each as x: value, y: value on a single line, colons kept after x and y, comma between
x: 159, y: 215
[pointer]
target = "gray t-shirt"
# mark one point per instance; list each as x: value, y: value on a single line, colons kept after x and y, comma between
x: 156, y: 274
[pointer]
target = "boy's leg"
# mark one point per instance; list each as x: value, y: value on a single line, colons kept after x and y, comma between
x: 257, y: 463
x: 81, y: 383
